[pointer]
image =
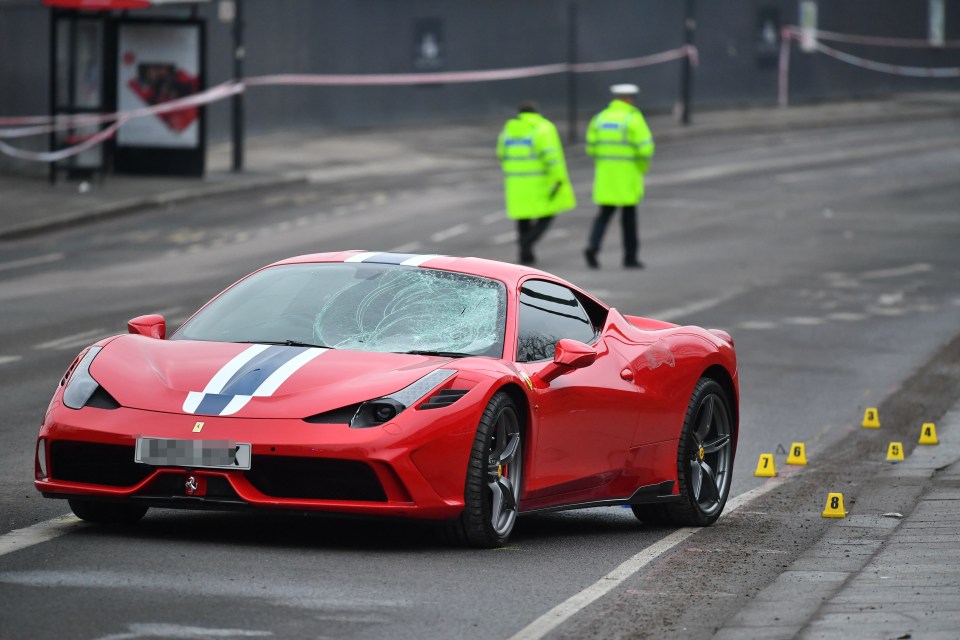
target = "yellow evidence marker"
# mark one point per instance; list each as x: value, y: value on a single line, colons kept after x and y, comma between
x: 895, y: 452
x: 765, y: 466
x: 798, y: 454
x: 834, y: 508
x: 928, y: 434
x: 871, y: 419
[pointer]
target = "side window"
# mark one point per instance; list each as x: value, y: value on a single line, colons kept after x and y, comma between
x: 549, y: 312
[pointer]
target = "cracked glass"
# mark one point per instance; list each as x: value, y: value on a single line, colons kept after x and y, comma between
x: 359, y: 306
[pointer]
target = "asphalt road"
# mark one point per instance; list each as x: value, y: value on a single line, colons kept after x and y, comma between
x: 830, y: 255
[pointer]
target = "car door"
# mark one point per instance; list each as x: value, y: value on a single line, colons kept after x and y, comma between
x: 586, y: 418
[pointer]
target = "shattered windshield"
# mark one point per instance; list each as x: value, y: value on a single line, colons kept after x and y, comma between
x: 360, y: 306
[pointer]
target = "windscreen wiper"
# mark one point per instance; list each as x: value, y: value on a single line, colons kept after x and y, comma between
x: 286, y: 343
x: 442, y: 354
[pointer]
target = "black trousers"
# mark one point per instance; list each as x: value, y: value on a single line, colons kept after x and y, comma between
x: 528, y: 232
x: 628, y: 224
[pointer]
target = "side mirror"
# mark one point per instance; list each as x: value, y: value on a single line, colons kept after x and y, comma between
x: 152, y: 326
x: 568, y: 355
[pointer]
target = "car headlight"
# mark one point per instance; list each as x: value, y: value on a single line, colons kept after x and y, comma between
x: 373, y: 413
x: 81, y: 385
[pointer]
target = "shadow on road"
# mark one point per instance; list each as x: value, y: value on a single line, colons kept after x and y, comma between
x: 313, y: 532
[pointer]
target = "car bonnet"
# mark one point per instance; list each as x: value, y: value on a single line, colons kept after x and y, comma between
x: 249, y: 380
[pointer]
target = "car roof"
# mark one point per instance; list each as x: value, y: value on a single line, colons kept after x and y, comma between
x: 510, y: 274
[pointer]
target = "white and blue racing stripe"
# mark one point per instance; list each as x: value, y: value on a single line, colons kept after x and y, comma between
x: 383, y: 257
x: 256, y: 372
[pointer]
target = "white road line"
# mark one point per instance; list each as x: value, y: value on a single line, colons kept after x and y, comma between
x: 603, y: 294
x: 909, y: 270
x: 757, y: 324
x: 579, y: 601
x: 496, y: 216
x: 669, y: 315
x: 446, y: 234
x: 29, y: 262
x: 40, y: 532
x: 410, y: 247
x: 83, y: 338
x: 847, y: 316
x: 178, y: 631
x: 504, y: 238
x: 803, y: 321
x: 271, y: 201
x: 9, y: 359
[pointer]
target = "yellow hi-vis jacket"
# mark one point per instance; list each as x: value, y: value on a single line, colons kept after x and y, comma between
x: 531, y: 156
x: 621, y: 146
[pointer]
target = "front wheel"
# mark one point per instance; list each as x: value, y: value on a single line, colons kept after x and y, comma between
x: 494, y: 476
x: 704, y: 462
x: 106, y: 512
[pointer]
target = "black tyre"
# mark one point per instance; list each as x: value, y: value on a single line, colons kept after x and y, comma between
x: 494, y: 478
x: 107, y: 512
x: 704, y: 462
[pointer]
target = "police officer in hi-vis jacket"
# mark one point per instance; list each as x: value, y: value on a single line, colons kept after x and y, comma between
x: 621, y: 146
x: 535, y: 181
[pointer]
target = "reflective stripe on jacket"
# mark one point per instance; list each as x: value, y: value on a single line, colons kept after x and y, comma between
x: 621, y: 146
x: 531, y: 156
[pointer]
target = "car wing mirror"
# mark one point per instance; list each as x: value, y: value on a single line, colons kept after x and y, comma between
x: 567, y: 356
x: 152, y: 326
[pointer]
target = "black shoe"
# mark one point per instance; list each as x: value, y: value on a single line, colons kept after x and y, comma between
x: 591, y: 256
x: 635, y: 264
x: 528, y: 259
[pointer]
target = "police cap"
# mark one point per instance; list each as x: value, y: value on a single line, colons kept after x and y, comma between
x: 624, y: 89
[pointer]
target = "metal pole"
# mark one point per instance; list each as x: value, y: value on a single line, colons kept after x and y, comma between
x: 571, y: 76
x: 52, y: 137
x: 237, y: 101
x: 689, y: 32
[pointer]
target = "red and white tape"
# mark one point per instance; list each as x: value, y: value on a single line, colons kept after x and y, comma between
x: 19, y: 127
x: 790, y: 33
x: 878, y: 41
x: 883, y: 67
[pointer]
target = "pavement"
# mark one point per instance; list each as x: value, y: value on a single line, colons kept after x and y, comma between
x: 30, y: 205
x: 890, y: 569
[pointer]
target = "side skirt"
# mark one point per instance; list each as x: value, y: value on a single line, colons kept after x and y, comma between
x: 647, y: 494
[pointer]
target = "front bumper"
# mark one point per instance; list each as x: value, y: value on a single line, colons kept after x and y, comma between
x: 414, y: 466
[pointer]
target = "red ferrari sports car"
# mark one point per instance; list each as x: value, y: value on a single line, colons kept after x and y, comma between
x: 422, y: 386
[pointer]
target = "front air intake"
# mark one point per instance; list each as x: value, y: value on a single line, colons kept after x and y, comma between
x: 91, y: 463
x: 315, y: 478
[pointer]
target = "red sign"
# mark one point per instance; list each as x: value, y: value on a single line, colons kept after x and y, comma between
x: 98, y: 5
x: 107, y: 5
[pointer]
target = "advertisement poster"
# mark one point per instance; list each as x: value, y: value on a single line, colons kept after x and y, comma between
x: 158, y: 63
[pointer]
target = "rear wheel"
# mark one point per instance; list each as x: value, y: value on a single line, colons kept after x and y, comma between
x: 106, y: 512
x: 494, y: 476
x: 704, y: 462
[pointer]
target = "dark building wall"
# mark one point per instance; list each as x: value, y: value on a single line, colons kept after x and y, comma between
x: 377, y: 36
x: 334, y: 37
x: 24, y: 62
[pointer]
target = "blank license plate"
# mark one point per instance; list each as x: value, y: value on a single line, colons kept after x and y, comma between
x: 206, y: 454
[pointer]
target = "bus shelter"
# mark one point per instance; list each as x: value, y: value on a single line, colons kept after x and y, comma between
x: 109, y: 56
